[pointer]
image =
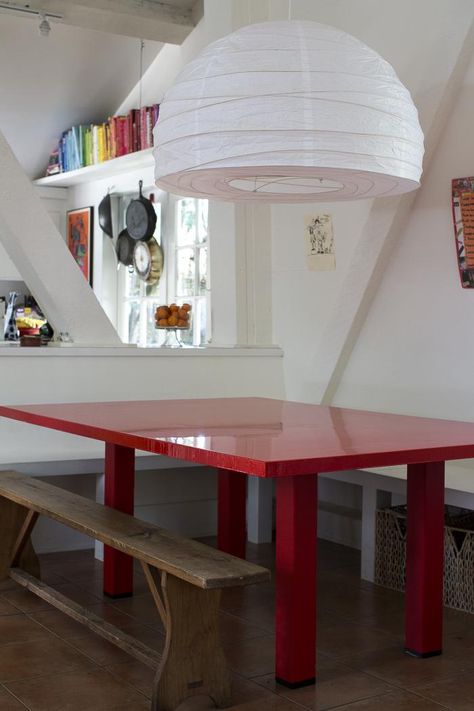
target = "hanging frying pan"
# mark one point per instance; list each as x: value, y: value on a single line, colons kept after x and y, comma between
x: 125, y: 246
x: 105, y: 215
x: 141, y: 217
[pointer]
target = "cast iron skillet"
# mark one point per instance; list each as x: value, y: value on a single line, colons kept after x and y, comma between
x: 141, y: 217
x: 105, y: 215
x: 125, y: 247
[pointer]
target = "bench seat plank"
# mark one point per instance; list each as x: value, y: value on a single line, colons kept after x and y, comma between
x: 189, y: 560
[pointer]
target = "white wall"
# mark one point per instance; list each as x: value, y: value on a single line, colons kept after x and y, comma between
x: 409, y: 35
x: 8, y: 271
x: 414, y: 353
x: 216, y: 22
x: 48, y: 84
x: 302, y: 299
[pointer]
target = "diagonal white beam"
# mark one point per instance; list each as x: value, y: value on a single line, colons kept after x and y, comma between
x: 169, y: 22
x: 40, y: 254
x: 385, y: 224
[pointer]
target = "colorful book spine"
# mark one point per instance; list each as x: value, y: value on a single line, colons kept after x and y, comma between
x: 143, y: 131
x: 81, y: 146
x: 95, y: 144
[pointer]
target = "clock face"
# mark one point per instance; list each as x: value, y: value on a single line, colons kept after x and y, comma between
x: 142, y: 259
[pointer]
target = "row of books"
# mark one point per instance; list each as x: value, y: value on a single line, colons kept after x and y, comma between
x: 81, y: 146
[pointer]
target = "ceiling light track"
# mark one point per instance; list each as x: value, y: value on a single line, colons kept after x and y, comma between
x: 28, y: 10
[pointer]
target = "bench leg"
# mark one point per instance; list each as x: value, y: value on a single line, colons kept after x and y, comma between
x: 14, y: 533
x: 193, y: 663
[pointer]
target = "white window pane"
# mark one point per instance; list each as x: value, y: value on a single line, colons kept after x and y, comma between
x: 186, y: 228
x: 151, y: 289
x: 200, y: 331
x: 153, y: 335
x: 132, y: 314
x: 202, y: 270
x: 132, y: 282
x: 203, y: 206
x: 185, y: 272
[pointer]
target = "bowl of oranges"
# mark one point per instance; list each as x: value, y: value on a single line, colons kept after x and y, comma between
x: 173, y: 317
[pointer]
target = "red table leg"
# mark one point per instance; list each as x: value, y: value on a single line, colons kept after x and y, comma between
x: 232, y: 512
x: 119, y: 494
x: 425, y: 559
x: 296, y: 550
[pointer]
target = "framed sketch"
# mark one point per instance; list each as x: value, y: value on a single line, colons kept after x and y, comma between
x: 79, y: 238
x: 319, y: 238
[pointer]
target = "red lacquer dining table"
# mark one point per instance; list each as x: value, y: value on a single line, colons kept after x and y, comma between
x: 292, y: 443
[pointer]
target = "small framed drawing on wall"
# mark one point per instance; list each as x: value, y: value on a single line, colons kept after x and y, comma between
x: 80, y: 237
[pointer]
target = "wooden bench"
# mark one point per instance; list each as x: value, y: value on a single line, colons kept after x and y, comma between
x: 187, y: 595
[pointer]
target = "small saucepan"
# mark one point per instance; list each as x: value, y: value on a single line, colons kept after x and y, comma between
x: 125, y: 246
x: 141, y: 217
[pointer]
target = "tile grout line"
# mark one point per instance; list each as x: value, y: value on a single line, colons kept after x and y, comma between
x: 426, y: 698
x: 98, y: 667
x: 5, y: 688
x: 357, y: 701
x: 273, y: 693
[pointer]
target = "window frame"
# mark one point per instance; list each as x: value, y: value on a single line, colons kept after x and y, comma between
x: 167, y: 287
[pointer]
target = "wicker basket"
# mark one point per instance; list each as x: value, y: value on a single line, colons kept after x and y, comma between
x: 390, y: 554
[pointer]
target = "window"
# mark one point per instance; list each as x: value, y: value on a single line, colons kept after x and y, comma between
x: 182, y: 230
x: 190, y: 278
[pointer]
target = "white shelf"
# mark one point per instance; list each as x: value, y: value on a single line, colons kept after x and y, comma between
x: 124, y: 164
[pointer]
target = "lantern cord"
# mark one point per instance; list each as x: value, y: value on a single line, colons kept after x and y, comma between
x: 289, y: 9
x: 142, y: 46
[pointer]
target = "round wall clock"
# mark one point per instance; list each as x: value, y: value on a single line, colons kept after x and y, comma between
x: 148, y: 260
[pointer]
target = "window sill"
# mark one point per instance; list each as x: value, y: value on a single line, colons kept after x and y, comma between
x: 127, y: 351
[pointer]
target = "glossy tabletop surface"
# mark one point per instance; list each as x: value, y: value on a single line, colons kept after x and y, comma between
x: 258, y: 436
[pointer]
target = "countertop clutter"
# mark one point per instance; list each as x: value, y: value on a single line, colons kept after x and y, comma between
x: 23, y: 321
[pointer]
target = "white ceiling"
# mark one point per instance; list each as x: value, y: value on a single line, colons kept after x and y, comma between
x: 48, y: 84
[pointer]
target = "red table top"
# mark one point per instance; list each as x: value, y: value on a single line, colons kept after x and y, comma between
x: 259, y: 436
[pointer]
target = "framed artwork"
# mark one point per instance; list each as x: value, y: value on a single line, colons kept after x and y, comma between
x: 79, y: 238
x: 319, y: 242
x: 463, y: 218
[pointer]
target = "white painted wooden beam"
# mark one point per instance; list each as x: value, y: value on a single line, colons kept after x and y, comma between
x: 170, y: 21
x: 253, y: 243
x: 383, y: 228
x: 40, y: 254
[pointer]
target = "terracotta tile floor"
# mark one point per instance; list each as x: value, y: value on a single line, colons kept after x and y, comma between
x: 50, y: 663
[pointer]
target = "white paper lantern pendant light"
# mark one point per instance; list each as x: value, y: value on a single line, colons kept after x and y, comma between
x: 289, y: 111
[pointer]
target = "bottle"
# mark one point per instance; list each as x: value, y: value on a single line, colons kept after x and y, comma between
x: 10, y: 329
x: 2, y: 316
